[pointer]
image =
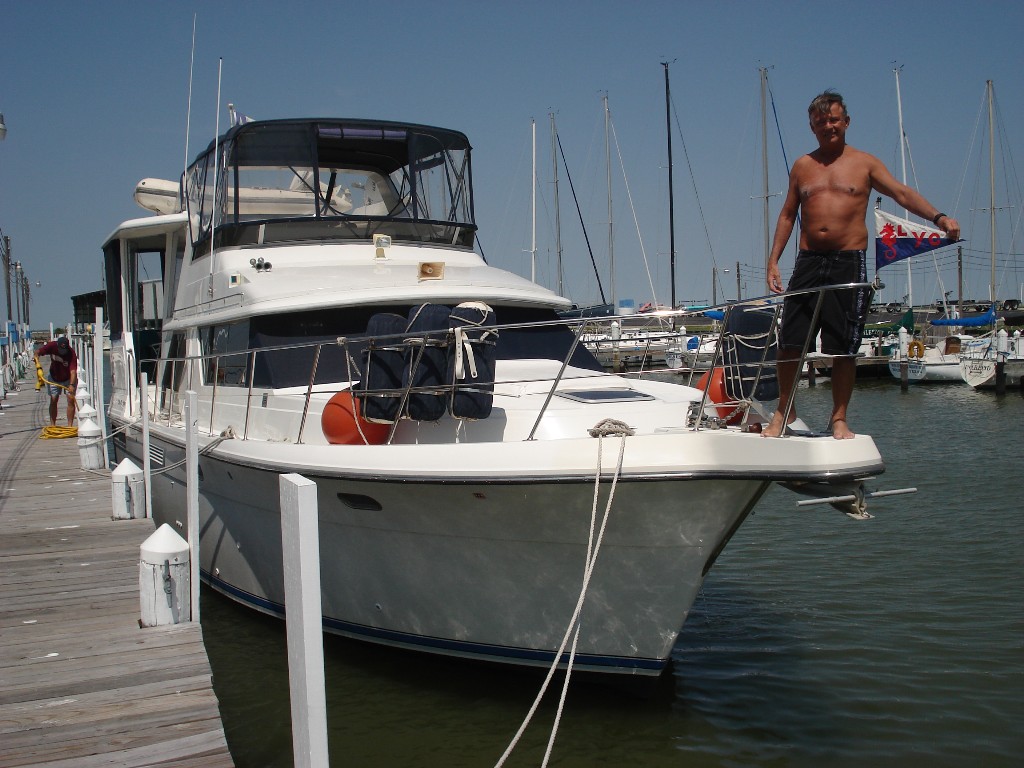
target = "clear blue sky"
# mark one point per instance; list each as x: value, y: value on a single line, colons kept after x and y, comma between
x: 94, y: 95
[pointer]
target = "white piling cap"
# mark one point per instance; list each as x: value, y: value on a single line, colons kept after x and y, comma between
x: 164, y: 544
x: 86, y: 411
x: 127, y: 468
x: 88, y: 428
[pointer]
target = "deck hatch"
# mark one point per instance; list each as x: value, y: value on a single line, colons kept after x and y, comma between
x: 614, y: 395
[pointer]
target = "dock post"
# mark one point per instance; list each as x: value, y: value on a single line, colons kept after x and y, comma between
x: 300, y: 544
x: 163, y: 578
x: 147, y: 471
x: 127, y: 491
x: 192, y: 491
x: 97, y: 382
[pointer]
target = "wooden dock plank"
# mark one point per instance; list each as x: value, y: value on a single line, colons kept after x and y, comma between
x: 81, y: 684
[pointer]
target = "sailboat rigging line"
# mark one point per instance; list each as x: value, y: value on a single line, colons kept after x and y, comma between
x: 632, y: 209
x: 572, y: 188
x: 785, y: 158
x: 693, y: 181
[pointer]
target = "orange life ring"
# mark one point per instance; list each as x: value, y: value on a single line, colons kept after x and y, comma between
x: 342, y: 421
x: 713, y: 382
x: 915, y: 345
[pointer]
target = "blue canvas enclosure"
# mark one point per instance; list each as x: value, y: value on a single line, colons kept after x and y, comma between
x: 471, y: 360
x: 426, y: 356
x: 747, y: 333
x: 385, y: 366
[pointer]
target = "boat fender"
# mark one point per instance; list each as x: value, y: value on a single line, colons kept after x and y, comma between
x: 343, y: 423
x: 713, y: 382
x: 915, y: 349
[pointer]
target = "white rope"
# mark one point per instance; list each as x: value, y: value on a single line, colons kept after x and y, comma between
x: 603, y: 428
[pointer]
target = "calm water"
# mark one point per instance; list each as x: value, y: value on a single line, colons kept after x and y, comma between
x: 817, y: 641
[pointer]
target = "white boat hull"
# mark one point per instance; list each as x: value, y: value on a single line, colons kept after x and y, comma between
x: 482, y: 561
x: 399, y: 570
x: 980, y: 372
x: 923, y: 371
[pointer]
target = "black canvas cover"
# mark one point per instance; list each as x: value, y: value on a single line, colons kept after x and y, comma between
x: 471, y: 360
x: 382, y: 386
x: 748, y: 333
x: 426, y: 356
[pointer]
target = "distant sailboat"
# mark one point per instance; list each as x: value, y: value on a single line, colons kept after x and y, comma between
x: 998, y: 355
x: 896, y: 239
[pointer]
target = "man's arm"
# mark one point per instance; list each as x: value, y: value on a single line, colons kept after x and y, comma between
x: 910, y: 198
x: 783, y: 231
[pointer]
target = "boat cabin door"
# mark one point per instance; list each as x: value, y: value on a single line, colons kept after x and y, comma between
x: 139, y: 265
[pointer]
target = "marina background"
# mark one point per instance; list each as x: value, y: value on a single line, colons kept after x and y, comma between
x: 817, y: 640
x: 95, y: 98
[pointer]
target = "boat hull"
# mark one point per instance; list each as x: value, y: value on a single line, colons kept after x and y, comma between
x: 980, y: 372
x: 946, y: 371
x: 488, y: 569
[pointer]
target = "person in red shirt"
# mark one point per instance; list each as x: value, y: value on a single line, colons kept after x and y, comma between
x: 63, y: 375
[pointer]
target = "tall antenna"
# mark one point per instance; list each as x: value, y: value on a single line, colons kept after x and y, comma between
x: 188, y: 111
x: 216, y: 178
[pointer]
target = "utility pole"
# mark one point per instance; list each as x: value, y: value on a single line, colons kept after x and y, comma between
x: 17, y: 292
x: 7, y: 272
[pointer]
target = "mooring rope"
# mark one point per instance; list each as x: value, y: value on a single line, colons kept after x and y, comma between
x: 607, y: 427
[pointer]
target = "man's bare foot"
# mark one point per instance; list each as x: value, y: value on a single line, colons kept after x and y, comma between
x: 840, y: 429
x: 775, y: 427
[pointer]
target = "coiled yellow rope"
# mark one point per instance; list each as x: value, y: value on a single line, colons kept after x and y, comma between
x: 49, y: 433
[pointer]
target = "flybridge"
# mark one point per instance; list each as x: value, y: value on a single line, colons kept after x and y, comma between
x: 327, y: 179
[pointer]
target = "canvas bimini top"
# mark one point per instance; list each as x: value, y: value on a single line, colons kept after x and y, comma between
x: 329, y: 178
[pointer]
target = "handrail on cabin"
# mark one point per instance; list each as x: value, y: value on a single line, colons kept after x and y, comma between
x: 578, y: 325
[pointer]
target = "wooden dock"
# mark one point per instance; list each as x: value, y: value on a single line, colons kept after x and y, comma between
x: 81, y: 684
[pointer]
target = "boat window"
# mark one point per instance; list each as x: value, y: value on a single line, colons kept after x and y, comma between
x: 225, y: 349
x: 286, y: 344
x: 112, y: 267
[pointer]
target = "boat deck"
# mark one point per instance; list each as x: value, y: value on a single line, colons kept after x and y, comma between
x: 80, y: 683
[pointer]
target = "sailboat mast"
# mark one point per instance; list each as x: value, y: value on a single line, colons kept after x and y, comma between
x: 533, y: 205
x: 608, y: 167
x: 991, y: 193
x: 558, y: 217
x: 764, y: 164
x: 671, y: 200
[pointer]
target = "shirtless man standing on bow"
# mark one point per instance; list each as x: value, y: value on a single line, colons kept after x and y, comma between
x: 830, y: 188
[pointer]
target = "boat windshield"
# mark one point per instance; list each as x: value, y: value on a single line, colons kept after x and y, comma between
x: 292, y: 180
